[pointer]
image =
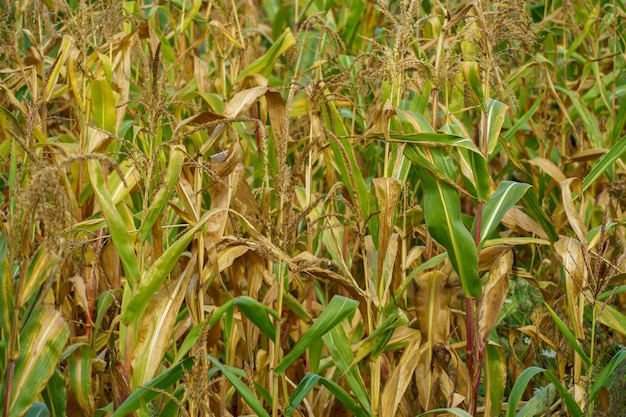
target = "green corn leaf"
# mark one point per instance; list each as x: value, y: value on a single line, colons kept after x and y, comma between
x: 80, y: 376
x: 253, y: 310
x: 340, y: 349
x: 505, y: 197
x: 103, y: 105
x: 472, y: 77
x: 539, y: 403
x: 605, y: 162
x: 149, y: 391
x: 41, y: 342
x: 537, y: 213
x: 158, y: 272
x: 603, y: 378
x: 520, y: 386
x: 189, y: 340
x: 246, y: 393
x: 481, y: 176
x: 442, y: 210
x: 174, y: 168
x: 569, y: 336
x: 376, y: 342
x: 115, y: 223
x: 309, y: 382
x: 496, y: 112
x: 265, y: 64
x: 338, y: 309
x: 495, y: 378
x: 55, y: 395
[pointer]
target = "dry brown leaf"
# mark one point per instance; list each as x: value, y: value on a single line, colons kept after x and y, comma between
x: 387, y: 194
x: 492, y: 298
x: 432, y: 306
x: 574, y: 218
x: 518, y: 220
x: 549, y: 168
x: 400, y: 378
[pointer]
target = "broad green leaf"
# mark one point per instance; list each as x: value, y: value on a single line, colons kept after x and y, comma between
x: 602, y: 379
x: 246, y: 393
x: 256, y: 311
x: 265, y: 64
x: 149, y: 391
x: 160, y: 269
x: 41, y: 342
x: 442, y: 210
x: 103, y: 105
x: 55, y: 395
x: 495, y: 379
x: 605, y: 162
x: 115, y: 223
x: 80, y: 377
x: 338, y: 309
x: 174, y: 168
x: 481, y: 176
x: 340, y: 349
x: 495, y: 119
x: 309, y: 382
x: 505, y: 197
x: 253, y: 310
x: 416, y: 155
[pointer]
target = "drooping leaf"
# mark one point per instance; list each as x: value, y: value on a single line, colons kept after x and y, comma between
x: 309, y: 382
x: 338, y: 309
x: 340, y: 349
x: 505, y: 197
x: 115, y: 223
x: 246, y: 393
x: 605, y: 162
x: 150, y: 390
x: 442, y: 210
x: 160, y: 269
